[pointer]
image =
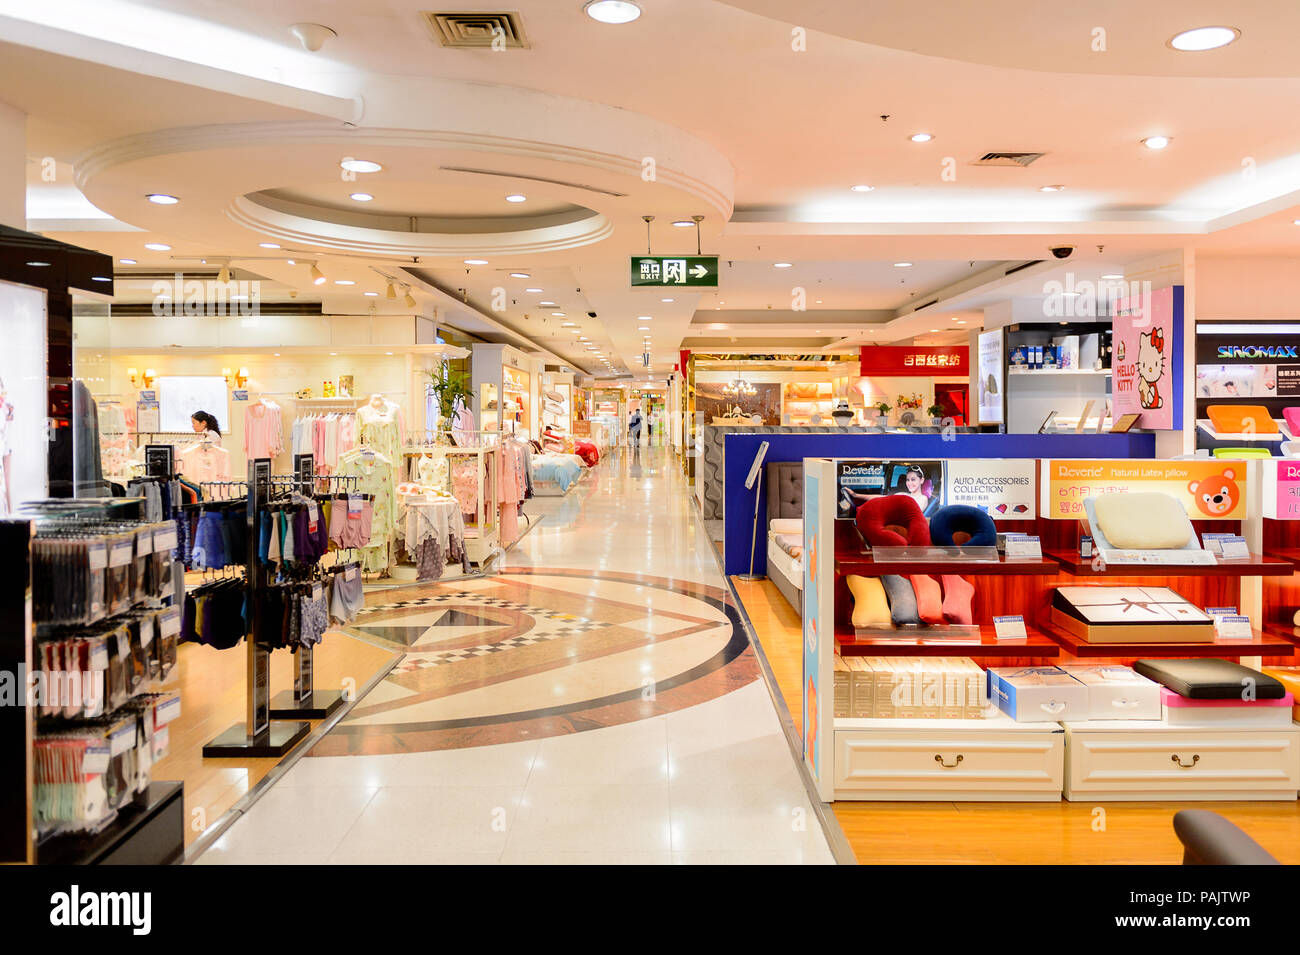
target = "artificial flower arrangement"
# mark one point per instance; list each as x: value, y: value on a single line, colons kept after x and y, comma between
x: 909, y: 403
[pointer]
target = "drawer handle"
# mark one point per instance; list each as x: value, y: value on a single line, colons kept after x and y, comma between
x: 1178, y: 759
x: 953, y: 765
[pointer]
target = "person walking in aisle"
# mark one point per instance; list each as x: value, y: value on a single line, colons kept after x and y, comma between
x: 634, y: 429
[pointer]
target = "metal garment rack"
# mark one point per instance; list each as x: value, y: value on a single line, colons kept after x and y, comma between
x: 259, y: 735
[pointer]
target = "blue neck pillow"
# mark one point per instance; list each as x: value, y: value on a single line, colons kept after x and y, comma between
x: 962, y: 519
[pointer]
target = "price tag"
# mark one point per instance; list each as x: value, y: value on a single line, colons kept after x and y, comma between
x: 1213, y: 541
x: 122, y: 738
x: 120, y: 553
x: 1232, y: 627
x: 167, y: 710
x: 1085, y: 547
x: 146, y: 630
x: 1221, y: 611
x: 161, y: 741
x: 1234, y: 548
x: 169, y: 622
x: 1008, y: 628
x: 98, y: 555
x: 123, y: 644
x: 316, y: 592
x: 1023, y: 547
x: 99, y: 655
x: 355, y: 505
x: 164, y: 539
x: 143, y: 543
x: 350, y: 574
x: 313, y: 517
x: 94, y: 762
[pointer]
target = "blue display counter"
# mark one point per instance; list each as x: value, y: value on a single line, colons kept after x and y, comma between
x: 738, y: 510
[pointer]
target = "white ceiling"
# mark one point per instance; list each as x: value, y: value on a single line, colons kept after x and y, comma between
x: 217, y: 102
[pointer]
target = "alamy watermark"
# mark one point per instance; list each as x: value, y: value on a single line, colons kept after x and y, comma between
x: 192, y: 297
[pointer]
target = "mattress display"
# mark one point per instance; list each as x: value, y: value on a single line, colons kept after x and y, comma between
x: 1211, y: 679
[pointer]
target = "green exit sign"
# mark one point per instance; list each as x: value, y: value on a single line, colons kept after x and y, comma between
x: 675, y: 271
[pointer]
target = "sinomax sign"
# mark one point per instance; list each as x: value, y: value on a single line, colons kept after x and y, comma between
x: 1258, y: 351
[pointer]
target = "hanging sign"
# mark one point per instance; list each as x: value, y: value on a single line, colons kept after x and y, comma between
x: 911, y: 360
x: 675, y: 271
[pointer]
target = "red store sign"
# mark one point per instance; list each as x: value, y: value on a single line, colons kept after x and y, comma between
x: 925, y: 360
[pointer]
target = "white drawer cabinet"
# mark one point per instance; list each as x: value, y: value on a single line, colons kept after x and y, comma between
x: 1140, y: 760
x: 991, y: 760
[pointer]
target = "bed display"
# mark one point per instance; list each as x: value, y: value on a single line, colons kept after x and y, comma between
x: 562, y: 470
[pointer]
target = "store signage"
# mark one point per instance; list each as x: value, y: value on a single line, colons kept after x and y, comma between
x: 991, y: 381
x: 675, y: 271
x: 1257, y: 351
x: 147, y: 395
x: 1208, y: 490
x: 1003, y: 488
x: 1148, y: 358
x: 239, y: 394
x: 159, y: 460
x: 1282, y: 490
x: 912, y: 360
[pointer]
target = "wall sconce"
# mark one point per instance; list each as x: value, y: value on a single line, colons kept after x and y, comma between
x: 227, y: 374
x: 134, y: 375
x: 241, y: 377
x: 149, y: 376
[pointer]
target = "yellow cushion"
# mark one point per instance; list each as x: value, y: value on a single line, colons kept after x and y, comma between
x: 870, y: 605
x: 1144, y: 520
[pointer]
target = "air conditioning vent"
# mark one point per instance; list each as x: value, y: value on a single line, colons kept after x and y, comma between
x: 477, y: 31
x: 1007, y: 159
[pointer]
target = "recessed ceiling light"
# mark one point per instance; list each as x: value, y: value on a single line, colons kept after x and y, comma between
x: 782, y: 265
x: 934, y: 330
x: 902, y: 265
x: 344, y: 282
x: 1156, y: 142
x: 520, y: 275
x: 361, y: 197
x: 683, y: 223
x: 1056, y: 188
x: 557, y: 314
x: 100, y: 278
x: 1112, y: 275
x: 921, y: 137
x: 1203, y: 38
x: 643, y: 318
x: 547, y: 304
x: 644, y: 328
x: 568, y: 324
x: 476, y: 261
x: 127, y: 261
x: 612, y: 11
x: 387, y: 353
x: 333, y: 354
x: 268, y: 245
x: 862, y: 187
x: 371, y: 294
x: 961, y: 321
x: 158, y: 246
x: 275, y: 355
x: 162, y: 199
x: 360, y: 165
x: 666, y: 300
x: 532, y: 290
x: 516, y: 197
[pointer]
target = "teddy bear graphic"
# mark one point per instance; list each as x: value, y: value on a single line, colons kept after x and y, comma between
x: 1150, y: 366
x: 1216, y: 496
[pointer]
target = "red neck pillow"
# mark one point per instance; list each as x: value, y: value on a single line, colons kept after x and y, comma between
x: 880, y: 519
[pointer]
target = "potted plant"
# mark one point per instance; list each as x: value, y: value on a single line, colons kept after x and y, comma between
x: 936, y: 414
x: 449, y: 389
x: 882, y: 409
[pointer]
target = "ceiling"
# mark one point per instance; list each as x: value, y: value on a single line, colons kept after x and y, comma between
x: 758, y: 119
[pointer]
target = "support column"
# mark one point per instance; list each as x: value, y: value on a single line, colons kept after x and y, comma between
x: 13, y: 167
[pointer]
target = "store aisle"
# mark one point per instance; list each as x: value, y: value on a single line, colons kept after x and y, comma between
x: 596, y: 701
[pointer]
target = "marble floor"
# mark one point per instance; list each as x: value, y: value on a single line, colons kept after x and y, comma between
x: 597, y: 701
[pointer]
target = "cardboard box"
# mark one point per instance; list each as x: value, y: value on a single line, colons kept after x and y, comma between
x: 843, y: 687
x: 1183, y: 711
x: 1117, y: 692
x: 1038, y: 694
x: 1130, y: 615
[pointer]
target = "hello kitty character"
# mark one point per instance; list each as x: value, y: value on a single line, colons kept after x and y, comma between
x: 1150, y: 366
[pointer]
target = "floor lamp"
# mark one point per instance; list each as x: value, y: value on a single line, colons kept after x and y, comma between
x: 752, y: 483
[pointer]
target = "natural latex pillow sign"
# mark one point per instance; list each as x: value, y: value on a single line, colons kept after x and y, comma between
x: 1144, y: 520
x: 870, y: 607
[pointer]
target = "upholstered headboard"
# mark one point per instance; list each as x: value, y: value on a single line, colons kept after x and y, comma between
x: 784, y: 490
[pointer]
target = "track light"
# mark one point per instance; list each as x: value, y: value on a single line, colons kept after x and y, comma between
x: 317, y: 276
x: 392, y: 290
x: 409, y: 299
x: 223, y: 276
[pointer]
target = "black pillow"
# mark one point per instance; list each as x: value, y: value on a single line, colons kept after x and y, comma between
x: 1210, y: 679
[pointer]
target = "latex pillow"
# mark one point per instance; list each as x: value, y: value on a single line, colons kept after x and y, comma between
x: 1145, y: 520
x: 879, y: 515
x: 953, y: 519
x: 870, y: 607
x: 1241, y: 419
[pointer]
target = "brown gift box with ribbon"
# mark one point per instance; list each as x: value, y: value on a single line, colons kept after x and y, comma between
x: 1130, y: 615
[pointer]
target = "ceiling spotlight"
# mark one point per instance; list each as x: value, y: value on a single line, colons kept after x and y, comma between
x: 344, y: 282
x: 862, y: 188
x: 391, y: 292
x: 370, y: 294
x: 921, y: 137
x: 409, y: 299
x: 360, y: 165
x: 533, y: 290
x: 476, y: 261
x: 1156, y: 142
x: 127, y: 261
x: 268, y: 245
x: 782, y: 265
x: 162, y: 199
x: 516, y: 197
x: 1056, y: 188
x: 361, y: 197
x: 1203, y: 38
x: 317, y: 276
x: 158, y: 246
x: 612, y: 11
x: 643, y: 318
x: 291, y: 261
x: 223, y: 274
x: 902, y: 265
x: 557, y: 314
x: 961, y: 321
x: 934, y: 330
x: 520, y: 275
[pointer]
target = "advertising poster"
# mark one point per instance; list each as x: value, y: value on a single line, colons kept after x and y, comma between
x: 1282, y: 490
x: 1004, y: 489
x: 1209, y: 490
x: 24, y: 398
x: 923, y: 481
x: 991, y: 380
x: 811, y: 625
x: 1147, y: 362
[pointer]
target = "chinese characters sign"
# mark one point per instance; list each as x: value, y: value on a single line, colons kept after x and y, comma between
x: 1208, y: 490
x: 675, y: 271
x: 903, y: 360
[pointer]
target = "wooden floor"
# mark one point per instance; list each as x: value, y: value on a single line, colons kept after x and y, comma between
x: 1065, y: 833
x: 211, y: 684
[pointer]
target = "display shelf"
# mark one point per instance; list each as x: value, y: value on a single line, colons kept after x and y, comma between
x: 1281, y: 631
x: 1289, y: 554
x: 1033, y: 644
x: 994, y: 719
x: 148, y: 831
x: 1256, y: 565
x: 1264, y: 643
x: 865, y: 566
x: 1058, y: 371
x: 1283, y: 433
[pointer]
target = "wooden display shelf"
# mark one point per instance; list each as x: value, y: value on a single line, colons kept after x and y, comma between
x: 1264, y: 643
x: 1034, y: 644
x: 865, y: 566
x: 1256, y: 565
x: 1289, y: 554
x: 1282, y: 632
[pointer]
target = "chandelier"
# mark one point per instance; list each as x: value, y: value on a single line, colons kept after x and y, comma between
x: 739, y: 388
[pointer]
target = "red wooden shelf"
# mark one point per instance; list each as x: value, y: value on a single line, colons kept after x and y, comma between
x: 865, y: 566
x: 1265, y: 644
x: 918, y: 644
x: 1289, y: 554
x: 1254, y: 566
x: 1283, y: 632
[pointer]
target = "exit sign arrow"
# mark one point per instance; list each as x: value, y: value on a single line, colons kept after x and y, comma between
x: 674, y: 271
x: 699, y: 271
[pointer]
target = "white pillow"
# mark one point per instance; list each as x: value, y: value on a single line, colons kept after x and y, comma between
x: 1144, y: 520
x: 787, y: 525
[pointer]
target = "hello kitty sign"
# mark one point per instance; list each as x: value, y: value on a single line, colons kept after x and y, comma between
x: 1148, y: 358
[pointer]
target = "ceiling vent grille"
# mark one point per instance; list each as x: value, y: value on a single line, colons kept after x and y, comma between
x: 1007, y: 159
x: 477, y: 31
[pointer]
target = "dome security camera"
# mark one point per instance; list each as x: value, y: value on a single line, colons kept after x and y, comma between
x: 1061, y: 251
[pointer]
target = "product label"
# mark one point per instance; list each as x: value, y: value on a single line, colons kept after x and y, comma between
x: 1023, y: 547
x: 313, y: 517
x: 94, y: 762
x: 1232, y: 627
x: 1214, y: 542
x: 1005, y: 628
x: 1234, y: 548
x: 164, y: 539
x: 122, y: 739
x: 167, y: 710
x: 350, y: 574
x: 123, y: 644
x: 146, y: 630
x: 99, y: 655
x: 120, y: 553
x: 316, y: 591
x: 144, y: 543
x: 97, y: 554
x: 169, y: 622
x: 355, y: 504
x: 1221, y: 611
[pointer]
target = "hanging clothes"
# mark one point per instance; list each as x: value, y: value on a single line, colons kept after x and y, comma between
x: 380, y: 428
x: 263, y: 429
x: 376, y: 477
